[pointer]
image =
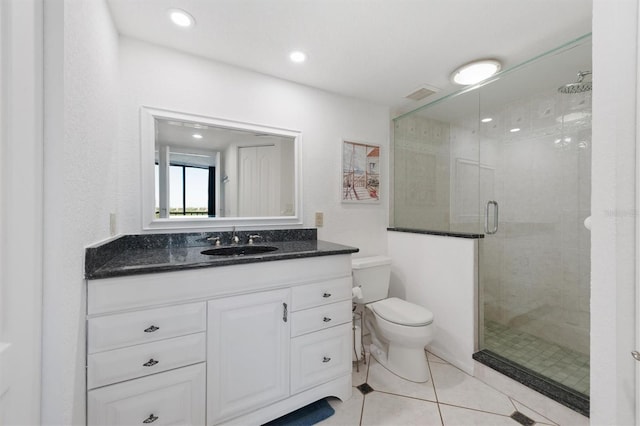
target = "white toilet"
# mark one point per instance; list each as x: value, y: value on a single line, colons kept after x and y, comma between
x: 399, y: 330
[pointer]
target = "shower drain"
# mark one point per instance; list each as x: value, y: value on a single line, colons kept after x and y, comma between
x: 522, y: 419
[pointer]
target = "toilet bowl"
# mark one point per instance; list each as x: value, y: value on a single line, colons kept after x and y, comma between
x: 400, y: 330
x: 399, y: 333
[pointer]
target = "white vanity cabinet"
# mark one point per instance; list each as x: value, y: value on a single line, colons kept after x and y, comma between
x: 238, y: 344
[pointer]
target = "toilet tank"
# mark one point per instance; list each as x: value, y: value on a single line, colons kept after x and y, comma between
x: 372, y: 275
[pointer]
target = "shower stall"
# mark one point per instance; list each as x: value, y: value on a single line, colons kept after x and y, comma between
x: 510, y: 162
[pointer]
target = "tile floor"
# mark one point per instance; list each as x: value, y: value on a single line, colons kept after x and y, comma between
x: 451, y: 397
x: 558, y: 363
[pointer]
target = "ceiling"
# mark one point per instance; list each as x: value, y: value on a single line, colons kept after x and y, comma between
x: 179, y: 134
x: 376, y: 50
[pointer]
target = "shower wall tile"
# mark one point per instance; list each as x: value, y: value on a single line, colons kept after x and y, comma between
x: 421, y: 180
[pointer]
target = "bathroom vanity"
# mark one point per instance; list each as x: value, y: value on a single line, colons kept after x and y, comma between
x: 178, y: 337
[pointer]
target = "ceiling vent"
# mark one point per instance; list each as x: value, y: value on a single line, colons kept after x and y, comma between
x: 422, y: 92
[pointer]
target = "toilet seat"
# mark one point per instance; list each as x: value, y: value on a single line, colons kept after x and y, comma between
x: 401, y: 312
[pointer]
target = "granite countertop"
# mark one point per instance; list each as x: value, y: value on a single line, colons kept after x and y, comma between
x: 144, y: 255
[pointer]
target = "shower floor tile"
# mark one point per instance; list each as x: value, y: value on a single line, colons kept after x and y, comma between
x: 560, y: 364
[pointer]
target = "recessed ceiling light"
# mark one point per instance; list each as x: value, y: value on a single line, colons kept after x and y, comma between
x: 487, y: 120
x: 181, y: 18
x: 475, y: 72
x: 197, y: 136
x: 297, y: 56
x: 515, y: 129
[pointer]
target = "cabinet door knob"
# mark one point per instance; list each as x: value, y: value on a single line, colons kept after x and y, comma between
x: 326, y: 319
x: 150, y: 419
x: 325, y: 295
x: 150, y: 363
x: 151, y: 329
x: 635, y: 355
x: 326, y: 359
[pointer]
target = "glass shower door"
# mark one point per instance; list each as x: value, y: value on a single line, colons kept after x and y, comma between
x: 535, y: 154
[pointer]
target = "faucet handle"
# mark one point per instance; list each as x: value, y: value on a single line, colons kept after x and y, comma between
x: 216, y: 239
x: 253, y: 237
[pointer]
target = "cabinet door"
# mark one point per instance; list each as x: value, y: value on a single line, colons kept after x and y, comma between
x: 248, y: 353
x: 321, y: 356
x: 175, y: 397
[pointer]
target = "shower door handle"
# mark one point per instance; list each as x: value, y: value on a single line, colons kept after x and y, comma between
x: 494, y: 229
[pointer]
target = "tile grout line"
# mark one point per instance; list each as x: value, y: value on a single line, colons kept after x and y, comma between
x: 512, y: 403
x: 366, y: 379
x: 475, y: 409
x: 433, y: 384
x: 405, y: 396
x: 553, y: 422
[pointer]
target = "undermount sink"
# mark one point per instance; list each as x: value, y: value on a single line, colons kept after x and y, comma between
x: 238, y: 250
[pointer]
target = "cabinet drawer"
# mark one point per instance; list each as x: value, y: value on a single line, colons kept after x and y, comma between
x: 319, y: 318
x: 175, y: 397
x: 120, y: 330
x: 322, y: 293
x: 319, y: 357
x: 118, y: 365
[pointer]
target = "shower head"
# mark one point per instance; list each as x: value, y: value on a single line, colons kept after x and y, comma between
x: 579, y: 86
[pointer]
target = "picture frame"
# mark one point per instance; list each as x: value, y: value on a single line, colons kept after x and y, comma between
x: 361, y: 172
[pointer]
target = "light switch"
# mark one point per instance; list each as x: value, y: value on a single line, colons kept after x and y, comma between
x: 319, y: 219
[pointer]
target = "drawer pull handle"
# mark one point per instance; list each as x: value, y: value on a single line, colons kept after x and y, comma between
x: 326, y: 359
x: 285, y: 312
x: 326, y: 319
x: 151, y: 329
x: 325, y: 295
x: 150, y: 419
x: 150, y: 363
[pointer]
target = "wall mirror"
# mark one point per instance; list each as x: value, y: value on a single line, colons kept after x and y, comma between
x: 205, y: 172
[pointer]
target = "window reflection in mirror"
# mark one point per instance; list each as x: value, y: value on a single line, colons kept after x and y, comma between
x: 192, y: 185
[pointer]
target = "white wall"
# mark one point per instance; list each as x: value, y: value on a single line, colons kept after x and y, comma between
x: 21, y: 146
x: 80, y: 176
x: 439, y: 273
x: 613, y: 257
x: 164, y: 78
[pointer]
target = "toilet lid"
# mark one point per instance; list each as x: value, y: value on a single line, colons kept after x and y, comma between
x: 401, y: 312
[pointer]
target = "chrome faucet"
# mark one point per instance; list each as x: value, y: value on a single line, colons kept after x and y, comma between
x: 234, y: 237
x: 253, y: 237
x: 214, y: 239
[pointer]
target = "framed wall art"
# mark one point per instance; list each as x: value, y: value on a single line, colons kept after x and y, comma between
x: 361, y: 170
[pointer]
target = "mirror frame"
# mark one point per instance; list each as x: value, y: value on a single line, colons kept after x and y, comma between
x: 148, y: 115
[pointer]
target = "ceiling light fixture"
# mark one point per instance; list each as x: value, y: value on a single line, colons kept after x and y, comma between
x: 197, y: 136
x: 515, y: 129
x: 487, y: 120
x: 475, y: 72
x: 297, y: 56
x: 181, y: 18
